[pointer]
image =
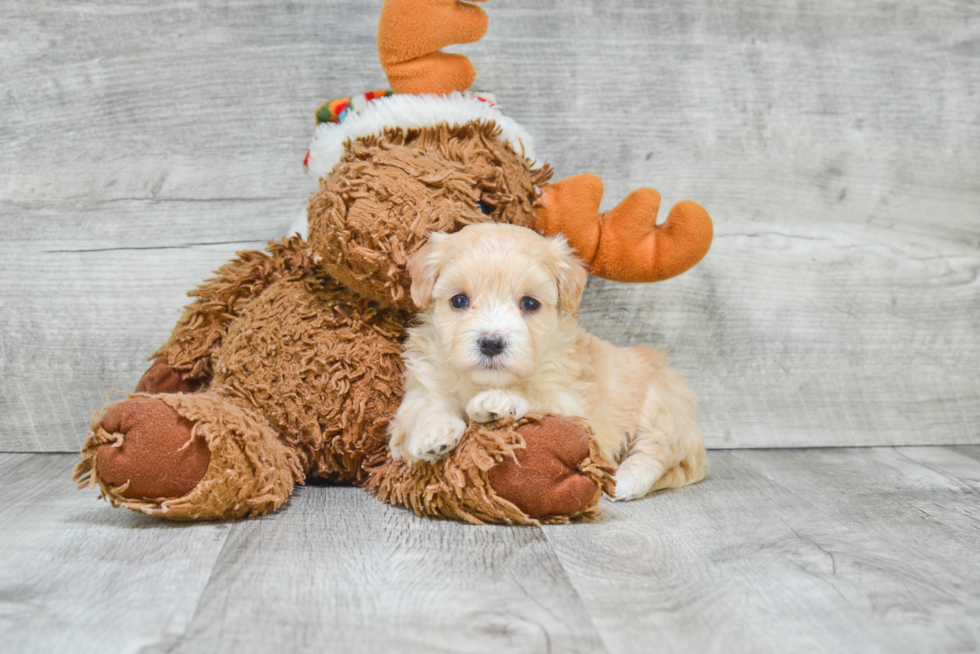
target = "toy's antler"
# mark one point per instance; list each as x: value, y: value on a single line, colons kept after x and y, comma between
x: 624, y: 244
x: 410, y: 35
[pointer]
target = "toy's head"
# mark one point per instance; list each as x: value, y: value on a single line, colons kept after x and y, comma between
x: 406, y: 166
x: 432, y: 157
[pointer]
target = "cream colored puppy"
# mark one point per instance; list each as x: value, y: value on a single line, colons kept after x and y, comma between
x: 498, y: 336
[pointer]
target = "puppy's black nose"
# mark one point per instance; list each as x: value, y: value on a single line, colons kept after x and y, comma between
x: 492, y: 345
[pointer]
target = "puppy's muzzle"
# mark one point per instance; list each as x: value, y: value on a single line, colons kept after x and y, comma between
x: 491, y: 345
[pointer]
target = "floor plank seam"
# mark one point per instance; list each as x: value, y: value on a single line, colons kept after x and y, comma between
x: 578, y: 592
x: 177, y: 641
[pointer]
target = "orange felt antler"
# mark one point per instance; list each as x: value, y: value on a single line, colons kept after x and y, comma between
x: 410, y: 35
x: 624, y: 244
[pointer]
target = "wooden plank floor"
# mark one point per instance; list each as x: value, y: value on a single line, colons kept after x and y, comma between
x: 843, y: 550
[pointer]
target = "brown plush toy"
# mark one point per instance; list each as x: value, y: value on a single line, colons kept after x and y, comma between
x: 287, y: 364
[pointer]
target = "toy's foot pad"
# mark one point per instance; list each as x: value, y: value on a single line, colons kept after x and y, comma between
x: 161, y: 378
x: 158, y: 457
x: 545, y: 479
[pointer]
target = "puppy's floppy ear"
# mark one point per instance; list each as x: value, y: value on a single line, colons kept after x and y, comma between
x: 425, y: 265
x: 570, y: 273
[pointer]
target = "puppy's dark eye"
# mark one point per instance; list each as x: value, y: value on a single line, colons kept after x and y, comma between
x: 484, y: 207
x: 529, y: 304
x: 459, y: 301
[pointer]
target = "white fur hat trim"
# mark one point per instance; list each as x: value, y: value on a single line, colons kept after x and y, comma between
x: 410, y: 111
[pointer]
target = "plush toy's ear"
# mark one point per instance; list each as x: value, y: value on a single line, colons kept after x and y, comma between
x: 425, y: 266
x: 625, y: 244
x: 570, y: 273
x: 410, y: 35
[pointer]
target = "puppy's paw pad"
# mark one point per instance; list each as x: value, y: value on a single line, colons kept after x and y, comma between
x: 435, y: 439
x: 493, y: 404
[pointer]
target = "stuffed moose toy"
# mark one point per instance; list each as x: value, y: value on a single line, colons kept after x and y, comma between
x: 287, y: 363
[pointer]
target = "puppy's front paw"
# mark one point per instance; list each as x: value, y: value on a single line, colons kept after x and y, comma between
x: 434, y: 439
x: 493, y: 404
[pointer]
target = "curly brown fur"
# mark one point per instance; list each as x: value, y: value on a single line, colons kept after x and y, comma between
x: 378, y: 205
x: 250, y: 472
x: 459, y: 485
x: 201, y: 329
x: 323, y: 366
x: 299, y: 348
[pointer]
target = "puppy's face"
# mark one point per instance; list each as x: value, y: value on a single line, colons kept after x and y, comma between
x: 496, y: 294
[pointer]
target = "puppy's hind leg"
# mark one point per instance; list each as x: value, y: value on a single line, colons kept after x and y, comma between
x: 649, y: 467
x: 639, y: 472
x: 668, y: 451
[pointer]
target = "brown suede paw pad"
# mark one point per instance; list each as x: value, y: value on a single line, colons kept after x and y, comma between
x: 158, y: 457
x: 545, y: 480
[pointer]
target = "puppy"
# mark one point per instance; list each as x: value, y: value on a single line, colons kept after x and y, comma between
x: 498, y: 336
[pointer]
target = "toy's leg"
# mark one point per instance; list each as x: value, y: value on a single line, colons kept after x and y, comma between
x: 187, y: 457
x: 518, y: 472
x: 160, y: 377
x: 552, y: 476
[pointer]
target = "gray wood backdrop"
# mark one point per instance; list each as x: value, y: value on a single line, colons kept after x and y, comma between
x: 836, y: 144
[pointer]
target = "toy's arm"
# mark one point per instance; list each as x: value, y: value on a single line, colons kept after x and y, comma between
x: 410, y: 35
x: 219, y: 300
x: 624, y: 244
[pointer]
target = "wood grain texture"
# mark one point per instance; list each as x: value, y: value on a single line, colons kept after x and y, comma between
x: 834, y: 144
x: 338, y: 571
x: 823, y: 550
x: 858, y: 550
x: 333, y: 571
x: 77, y: 577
